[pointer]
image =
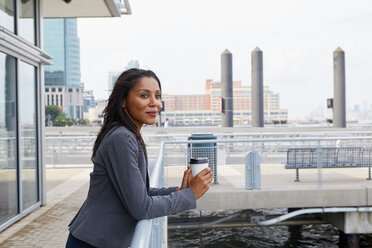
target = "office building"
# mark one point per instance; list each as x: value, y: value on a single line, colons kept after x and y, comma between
x: 89, y: 102
x: 95, y: 116
x: 63, y: 87
x: 112, y: 77
x: 205, y: 109
x: 22, y: 118
x: 132, y: 64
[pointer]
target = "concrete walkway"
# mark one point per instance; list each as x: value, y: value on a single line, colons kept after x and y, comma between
x: 47, y: 226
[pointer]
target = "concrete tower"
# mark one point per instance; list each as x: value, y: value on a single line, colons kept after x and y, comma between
x: 257, y: 89
x: 339, y: 105
x: 226, y: 89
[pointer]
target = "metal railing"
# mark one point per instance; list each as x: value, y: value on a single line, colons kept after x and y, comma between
x: 8, y: 152
x: 68, y: 149
x: 250, y: 164
x: 228, y: 159
x: 149, y: 233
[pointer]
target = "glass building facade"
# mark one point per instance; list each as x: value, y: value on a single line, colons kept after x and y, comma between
x: 20, y: 139
x: 62, y: 42
x: 22, y: 119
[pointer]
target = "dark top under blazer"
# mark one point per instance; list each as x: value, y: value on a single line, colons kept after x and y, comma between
x: 119, y: 194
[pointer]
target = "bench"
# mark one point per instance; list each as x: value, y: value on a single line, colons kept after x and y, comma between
x: 331, y: 157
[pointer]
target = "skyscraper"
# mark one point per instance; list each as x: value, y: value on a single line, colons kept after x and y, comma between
x: 89, y: 101
x: 134, y: 63
x: 112, y: 77
x: 62, y: 79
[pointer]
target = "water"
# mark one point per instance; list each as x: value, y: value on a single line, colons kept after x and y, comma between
x: 260, y: 237
x: 255, y: 237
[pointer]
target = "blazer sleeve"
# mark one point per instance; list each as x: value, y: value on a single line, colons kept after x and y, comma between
x: 162, y: 191
x: 120, y: 155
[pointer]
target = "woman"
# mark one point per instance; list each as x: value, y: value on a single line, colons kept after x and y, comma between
x: 119, y: 193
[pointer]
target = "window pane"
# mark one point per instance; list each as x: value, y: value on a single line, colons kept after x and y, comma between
x: 27, y: 108
x: 8, y: 147
x: 27, y: 20
x: 7, y: 14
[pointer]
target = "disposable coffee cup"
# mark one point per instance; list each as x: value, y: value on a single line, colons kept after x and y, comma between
x: 198, y: 164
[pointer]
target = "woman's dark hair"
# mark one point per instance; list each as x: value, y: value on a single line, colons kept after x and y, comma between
x: 113, y: 114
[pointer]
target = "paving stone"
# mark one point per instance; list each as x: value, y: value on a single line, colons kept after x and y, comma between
x: 50, y: 228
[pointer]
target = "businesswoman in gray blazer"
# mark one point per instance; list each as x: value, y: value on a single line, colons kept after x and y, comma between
x: 119, y: 192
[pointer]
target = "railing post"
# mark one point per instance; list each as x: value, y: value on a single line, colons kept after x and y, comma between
x: 147, y: 232
x: 320, y: 164
x: 54, y: 158
x: 156, y: 234
x: 252, y: 170
x: 60, y: 143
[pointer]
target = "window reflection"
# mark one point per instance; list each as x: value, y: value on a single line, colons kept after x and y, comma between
x: 7, y: 14
x: 8, y: 147
x: 27, y: 20
x: 27, y: 119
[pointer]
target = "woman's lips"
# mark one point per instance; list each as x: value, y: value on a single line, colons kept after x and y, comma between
x: 152, y: 113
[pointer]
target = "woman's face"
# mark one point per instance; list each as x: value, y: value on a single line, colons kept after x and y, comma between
x: 143, y: 102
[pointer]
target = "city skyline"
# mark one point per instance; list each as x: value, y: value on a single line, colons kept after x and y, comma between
x: 182, y: 42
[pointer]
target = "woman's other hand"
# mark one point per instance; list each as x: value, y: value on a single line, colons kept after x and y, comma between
x: 186, y: 179
x: 201, y: 182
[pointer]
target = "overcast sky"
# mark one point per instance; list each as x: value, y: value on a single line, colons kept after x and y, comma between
x: 182, y: 42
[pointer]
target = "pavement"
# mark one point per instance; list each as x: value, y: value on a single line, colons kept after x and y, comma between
x: 47, y: 227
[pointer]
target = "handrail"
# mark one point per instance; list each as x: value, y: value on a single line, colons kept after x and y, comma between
x: 229, y: 140
x: 142, y: 233
x: 50, y: 136
x: 71, y: 137
x: 264, y: 140
x: 314, y: 211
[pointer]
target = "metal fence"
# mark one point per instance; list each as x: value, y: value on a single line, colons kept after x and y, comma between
x: 70, y: 150
x: 227, y: 158
x: 8, y: 152
x: 73, y: 150
x: 249, y: 163
x: 260, y: 163
x: 319, y: 162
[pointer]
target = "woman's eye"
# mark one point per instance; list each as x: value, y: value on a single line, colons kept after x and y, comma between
x: 158, y: 96
x: 144, y: 95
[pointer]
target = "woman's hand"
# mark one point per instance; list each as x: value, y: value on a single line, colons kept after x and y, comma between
x: 201, y: 182
x: 186, y: 179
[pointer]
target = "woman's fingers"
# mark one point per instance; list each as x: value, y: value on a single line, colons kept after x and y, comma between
x: 206, y: 173
x: 201, y: 182
x: 185, y: 179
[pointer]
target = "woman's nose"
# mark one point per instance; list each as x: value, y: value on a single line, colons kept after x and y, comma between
x: 154, y: 101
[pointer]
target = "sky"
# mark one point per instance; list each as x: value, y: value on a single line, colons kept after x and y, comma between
x: 182, y: 42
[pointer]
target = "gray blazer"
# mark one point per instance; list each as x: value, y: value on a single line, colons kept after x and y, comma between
x: 119, y: 194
